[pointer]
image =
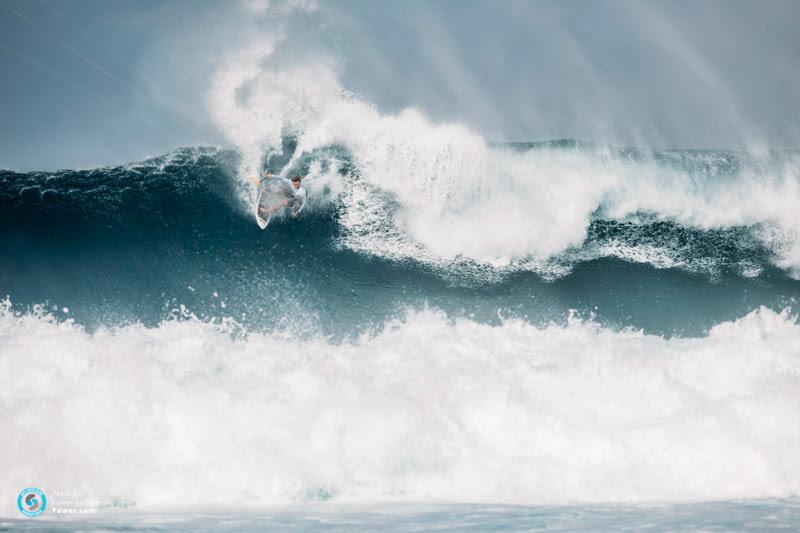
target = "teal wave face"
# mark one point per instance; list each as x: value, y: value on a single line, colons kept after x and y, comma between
x: 172, y: 235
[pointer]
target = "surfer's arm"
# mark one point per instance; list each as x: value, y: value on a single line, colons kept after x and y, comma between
x: 285, y: 181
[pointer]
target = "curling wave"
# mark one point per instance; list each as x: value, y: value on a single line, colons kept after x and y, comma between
x: 440, y: 193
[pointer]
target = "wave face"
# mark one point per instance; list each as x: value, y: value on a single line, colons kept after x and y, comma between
x: 424, y: 409
x: 173, y: 235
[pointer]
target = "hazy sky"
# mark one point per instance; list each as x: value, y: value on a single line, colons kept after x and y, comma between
x: 697, y: 74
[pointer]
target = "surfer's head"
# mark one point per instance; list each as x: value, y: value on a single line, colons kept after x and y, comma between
x: 296, y: 181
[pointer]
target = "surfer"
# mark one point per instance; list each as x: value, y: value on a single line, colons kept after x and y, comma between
x: 292, y: 189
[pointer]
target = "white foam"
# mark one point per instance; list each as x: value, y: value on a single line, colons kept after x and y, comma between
x: 426, y: 409
x: 439, y: 193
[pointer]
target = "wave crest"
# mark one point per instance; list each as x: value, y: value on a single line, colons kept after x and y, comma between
x: 440, y: 193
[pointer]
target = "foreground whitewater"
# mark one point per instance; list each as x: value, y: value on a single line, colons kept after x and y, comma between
x: 426, y: 409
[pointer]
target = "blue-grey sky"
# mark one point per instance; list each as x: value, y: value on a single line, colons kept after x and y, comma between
x: 697, y: 74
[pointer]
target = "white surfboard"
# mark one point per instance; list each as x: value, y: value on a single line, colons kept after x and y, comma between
x: 262, y: 219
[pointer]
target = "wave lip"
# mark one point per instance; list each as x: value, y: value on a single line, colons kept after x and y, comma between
x: 444, y: 195
x: 427, y: 408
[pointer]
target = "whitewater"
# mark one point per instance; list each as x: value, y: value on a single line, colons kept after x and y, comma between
x: 426, y: 409
x: 440, y: 192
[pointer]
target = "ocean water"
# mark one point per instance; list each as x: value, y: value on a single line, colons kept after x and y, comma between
x: 758, y: 515
x: 576, y: 365
x: 456, y: 334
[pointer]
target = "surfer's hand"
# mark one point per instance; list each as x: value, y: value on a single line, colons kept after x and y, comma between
x: 285, y: 203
